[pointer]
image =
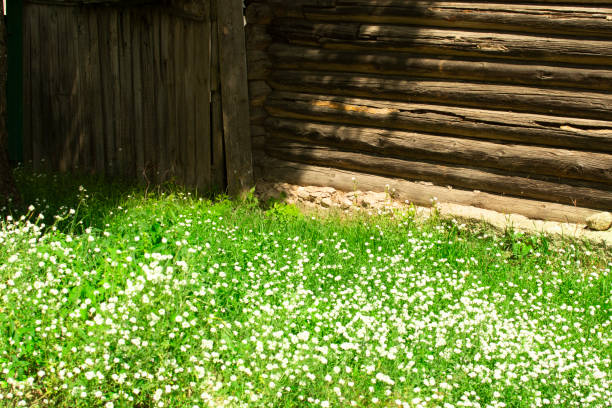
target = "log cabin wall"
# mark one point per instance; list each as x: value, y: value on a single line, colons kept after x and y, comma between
x: 505, y: 106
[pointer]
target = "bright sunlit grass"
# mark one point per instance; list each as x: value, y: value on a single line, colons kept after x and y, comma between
x: 117, y: 298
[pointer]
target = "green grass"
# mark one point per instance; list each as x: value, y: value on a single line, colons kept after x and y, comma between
x: 141, y: 299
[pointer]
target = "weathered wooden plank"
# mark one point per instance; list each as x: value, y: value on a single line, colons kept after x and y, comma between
x: 106, y: 97
x: 28, y: 99
x: 95, y: 90
x: 356, y: 36
x: 259, y: 65
x: 528, y: 160
x: 63, y: 42
x: 545, y: 19
x: 232, y: 56
x: 85, y: 159
x: 164, y: 97
x: 159, y: 89
x: 525, y: 128
x: 590, y: 105
x: 181, y: 117
x: 395, y: 63
x: 115, y: 92
x: 126, y: 149
x: 143, y: 145
x: 218, y: 166
x: 259, y: 13
x: 53, y: 143
x: 562, y: 191
x: 71, y: 158
x: 189, y: 103
x: 258, y: 92
x: 257, y: 37
x: 150, y: 136
x: 173, y: 134
x: 418, y: 193
x: 201, y: 64
x: 42, y: 138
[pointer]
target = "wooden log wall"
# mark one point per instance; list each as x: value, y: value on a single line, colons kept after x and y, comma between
x: 508, y: 100
x: 136, y: 90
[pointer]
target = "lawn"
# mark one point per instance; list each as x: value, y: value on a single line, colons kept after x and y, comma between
x: 114, y: 296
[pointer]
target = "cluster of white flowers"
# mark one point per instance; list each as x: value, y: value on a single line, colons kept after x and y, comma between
x: 247, y: 316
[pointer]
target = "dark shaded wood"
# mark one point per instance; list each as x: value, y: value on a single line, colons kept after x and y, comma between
x: 53, y: 86
x: 201, y: 106
x: 113, y: 58
x: 418, y: 193
x: 189, y: 111
x: 163, y: 108
x: 173, y: 140
x: 106, y: 97
x: 27, y: 88
x: 181, y: 129
x: 259, y: 65
x: 159, y: 109
x: 493, y: 96
x: 287, y: 56
x: 562, y: 191
x: 258, y: 92
x: 121, y: 90
x: 525, y: 128
x: 127, y: 146
x: 545, y: 19
x: 8, y: 189
x: 235, y: 100
x: 257, y: 37
x: 259, y: 13
x: 530, y: 161
x: 217, y: 146
x: 140, y: 86
x: 355, y: 36
x: 95, y: 87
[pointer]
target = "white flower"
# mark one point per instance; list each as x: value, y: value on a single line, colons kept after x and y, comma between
x: 157, y: 395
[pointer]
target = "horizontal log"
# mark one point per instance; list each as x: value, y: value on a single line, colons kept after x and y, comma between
x: 303, y: 174
x: 257, y: 37
x: 257, y: 115
x: 259, y: 13
x: 530, y: 161
x: 258, y: 64
x: 582, y: 134
x: 394, y: 63
x: 579, y: 194
x: 425, y: 40
x: 583, y: 104
x: 258, y: 92
x: 546, y: 19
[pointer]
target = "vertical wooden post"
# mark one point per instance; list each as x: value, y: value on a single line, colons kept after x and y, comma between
x: 234, y: 97
x: 15, y: 79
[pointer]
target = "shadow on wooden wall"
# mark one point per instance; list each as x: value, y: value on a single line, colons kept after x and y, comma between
x: 138, y: 89
x: 507, y: 104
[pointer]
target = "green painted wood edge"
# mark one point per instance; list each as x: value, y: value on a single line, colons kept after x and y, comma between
x: 14, y: 89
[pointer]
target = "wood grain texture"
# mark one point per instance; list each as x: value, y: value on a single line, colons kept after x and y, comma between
x: 418, y: 193
x: 561, y: 191
x: 525, y: 128
x: 217, y: 146
x: 235, y: 101
x: 122, y: 91
x: 558, y: 102
x: 382, y: 63
x: 531, y: 161
x: 534, y: 18
x: 460, y: 42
